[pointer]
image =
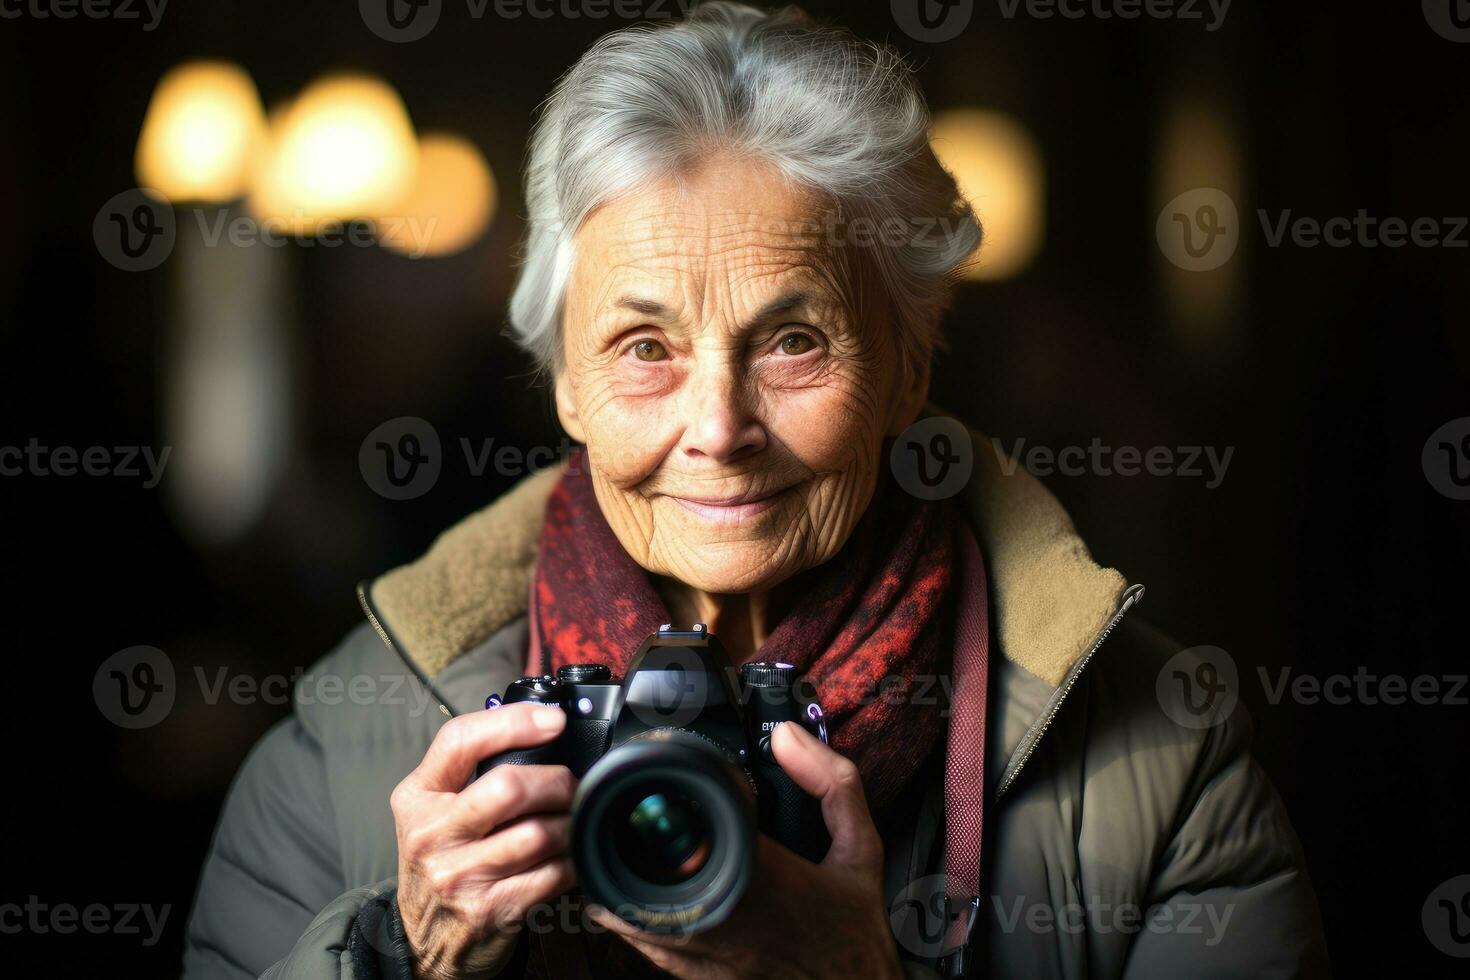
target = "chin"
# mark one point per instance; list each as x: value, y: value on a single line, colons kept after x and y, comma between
x: 735, y: 568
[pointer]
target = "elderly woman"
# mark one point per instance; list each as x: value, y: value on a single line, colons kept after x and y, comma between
x: 713, y: 283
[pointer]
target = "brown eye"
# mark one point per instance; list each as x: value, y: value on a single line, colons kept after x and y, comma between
x: 796, y: 343
x: 649, y: 350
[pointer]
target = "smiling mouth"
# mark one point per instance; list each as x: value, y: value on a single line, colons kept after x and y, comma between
x: 731, y: 510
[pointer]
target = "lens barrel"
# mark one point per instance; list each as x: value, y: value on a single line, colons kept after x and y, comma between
x: 663, y: 831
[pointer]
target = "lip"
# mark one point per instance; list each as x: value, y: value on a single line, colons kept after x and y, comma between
x: 730, y: 510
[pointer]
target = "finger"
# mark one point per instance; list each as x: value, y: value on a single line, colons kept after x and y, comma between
x: 612, y: 922
x: 464, y: 741
x: 680, y: 963
x: 537, y: 886
x: 506, y: 793
x: 517, y: 847
x: 834, y: 780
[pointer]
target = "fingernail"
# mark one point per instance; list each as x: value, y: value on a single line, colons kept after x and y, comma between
x: 548, y: 719
x: 794, y: 727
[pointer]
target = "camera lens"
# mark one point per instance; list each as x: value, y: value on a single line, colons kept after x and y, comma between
x: 664, y: 836
x: 663, y: 831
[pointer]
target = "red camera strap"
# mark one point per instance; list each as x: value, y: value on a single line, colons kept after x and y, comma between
x: 964, y: 766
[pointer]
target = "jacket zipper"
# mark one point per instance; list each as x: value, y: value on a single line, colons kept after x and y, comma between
x: 1131, y: 596
x: 372, y: 617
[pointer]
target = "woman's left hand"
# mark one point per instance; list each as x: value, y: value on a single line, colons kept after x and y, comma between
x: 799, y: 919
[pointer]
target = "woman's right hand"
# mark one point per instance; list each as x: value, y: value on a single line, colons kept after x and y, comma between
x: 474, y: 859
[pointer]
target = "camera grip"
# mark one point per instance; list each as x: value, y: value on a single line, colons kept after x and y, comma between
x: 550, y: 754
x: 787, y: 813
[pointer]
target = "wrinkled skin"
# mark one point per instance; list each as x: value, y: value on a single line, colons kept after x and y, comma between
x: 734, y: 387
x: 717, y: 346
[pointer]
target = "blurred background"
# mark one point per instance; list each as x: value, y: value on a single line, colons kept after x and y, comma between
x: 381, y: 157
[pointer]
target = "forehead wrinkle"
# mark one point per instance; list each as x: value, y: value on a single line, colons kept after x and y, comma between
x: 711, y: 258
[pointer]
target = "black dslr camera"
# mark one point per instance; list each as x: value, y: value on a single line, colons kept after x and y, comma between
x: 677, y: 775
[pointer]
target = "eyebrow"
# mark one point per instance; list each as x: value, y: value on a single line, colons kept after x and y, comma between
x: 779, y: 306
x: 643, y: 307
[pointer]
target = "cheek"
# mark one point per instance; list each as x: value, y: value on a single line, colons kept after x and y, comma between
x: 848, y: 423
x: 627, y: 434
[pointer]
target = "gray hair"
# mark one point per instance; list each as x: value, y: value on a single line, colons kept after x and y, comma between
x: 832, y: 112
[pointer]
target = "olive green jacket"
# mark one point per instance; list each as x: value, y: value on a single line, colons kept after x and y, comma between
x: 1118, y: 841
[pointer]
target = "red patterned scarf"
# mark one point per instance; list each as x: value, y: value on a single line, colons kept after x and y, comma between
x: 872, y: 628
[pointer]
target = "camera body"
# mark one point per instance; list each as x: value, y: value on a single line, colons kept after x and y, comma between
x: 676, y: 775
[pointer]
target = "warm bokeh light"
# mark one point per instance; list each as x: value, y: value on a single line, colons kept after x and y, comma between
x: 343, y: 150
x: 999, y: 169
x: 1198, y: 148
x: 202, y: 131
x: 450, y: 204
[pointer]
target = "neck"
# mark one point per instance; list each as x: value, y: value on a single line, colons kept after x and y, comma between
x: 742, y: 621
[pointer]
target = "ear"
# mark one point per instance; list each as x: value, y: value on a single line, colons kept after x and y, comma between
x: 566, y: 408
x: 911, y: 398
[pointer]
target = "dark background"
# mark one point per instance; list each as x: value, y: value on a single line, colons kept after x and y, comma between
x: 1325, y: 548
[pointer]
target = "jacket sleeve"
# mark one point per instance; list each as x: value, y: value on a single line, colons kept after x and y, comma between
x: 1230, y: 895
x: 270, y: 901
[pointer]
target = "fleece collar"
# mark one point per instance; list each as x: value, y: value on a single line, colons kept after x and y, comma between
x: 1050, y: 601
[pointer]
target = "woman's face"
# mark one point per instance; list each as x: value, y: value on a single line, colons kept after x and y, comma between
x: 732, y: 405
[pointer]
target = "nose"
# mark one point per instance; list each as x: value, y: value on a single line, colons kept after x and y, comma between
x: 720, y: 424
